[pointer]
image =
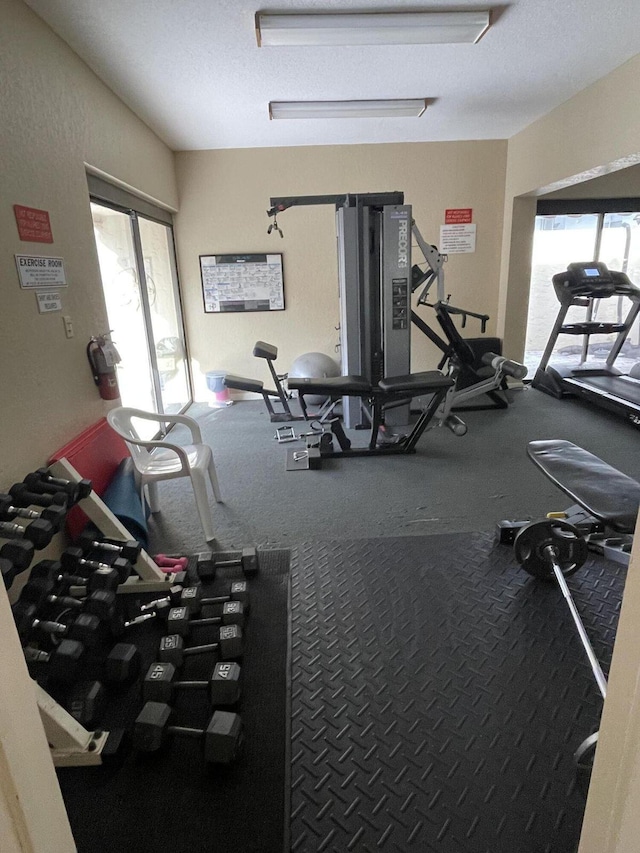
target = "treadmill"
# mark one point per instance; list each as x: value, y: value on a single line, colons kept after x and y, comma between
x: 600, y: 383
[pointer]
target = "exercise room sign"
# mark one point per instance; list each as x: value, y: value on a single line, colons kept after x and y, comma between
x: 36, y: 271
x: 458, y: 234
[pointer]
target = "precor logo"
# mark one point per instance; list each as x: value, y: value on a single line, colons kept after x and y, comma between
x: 403, y: 243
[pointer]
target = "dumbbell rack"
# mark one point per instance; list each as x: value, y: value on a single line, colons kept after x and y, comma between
x: 149, y: 577
x: 72, y: 745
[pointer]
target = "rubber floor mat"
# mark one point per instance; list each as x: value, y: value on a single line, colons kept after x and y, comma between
x: 438, y: 695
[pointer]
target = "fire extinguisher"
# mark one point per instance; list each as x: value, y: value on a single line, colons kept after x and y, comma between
x: 103, y: 358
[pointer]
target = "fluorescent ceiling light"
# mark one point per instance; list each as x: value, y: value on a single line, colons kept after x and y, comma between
x: 412, y: 107
x: 370, y: 28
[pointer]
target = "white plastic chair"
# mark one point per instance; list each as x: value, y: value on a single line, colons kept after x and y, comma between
x: 165, y: 460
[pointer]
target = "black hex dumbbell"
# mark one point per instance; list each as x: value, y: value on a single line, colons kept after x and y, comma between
x: 179, y: 619
x: 85, y: 627
x: 224, y: 685
x: 73, y: 560
x: 54, y: 514
x: 247, y: 561
x: 42, y: 481
x: 63, y: 662
x: 104, y: 578
x: 38, y: 532
x: 23, y: 496
x: 229, y: 646
x: 8, y: 571
x: 19, y: 552
x: 192, y: 598
x: 164, y: 604
x: 121, y: 665
x: 129, y: 550
x: 86, y: 702
x: 221, y: 739
x: 42, y: 591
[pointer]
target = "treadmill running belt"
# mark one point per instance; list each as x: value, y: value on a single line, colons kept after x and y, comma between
x: 620, y: 386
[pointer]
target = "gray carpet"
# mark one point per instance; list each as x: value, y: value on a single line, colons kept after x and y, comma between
x: 451, y: 484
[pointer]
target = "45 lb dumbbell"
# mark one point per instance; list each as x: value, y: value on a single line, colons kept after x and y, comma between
x: 221, y: 739
x: 224, y: 686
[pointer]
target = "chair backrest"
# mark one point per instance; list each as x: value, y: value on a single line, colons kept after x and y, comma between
x: 121, y: 420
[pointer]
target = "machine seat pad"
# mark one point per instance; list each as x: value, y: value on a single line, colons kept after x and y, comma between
x: 415, y: 383
x: 602, y: 490
x: 332, y: 386
x: 268, y: 351
x: 240, y: 383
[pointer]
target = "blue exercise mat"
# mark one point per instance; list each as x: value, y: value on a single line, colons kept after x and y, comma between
x: 123, y: 499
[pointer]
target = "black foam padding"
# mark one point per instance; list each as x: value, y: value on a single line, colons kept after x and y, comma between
x: 264, y: 350
x: 416, y: 383
x: 242, y: 383
x: 602, y: 490
x: 171, y: 800
x: 438, y: 695
x: 330, y: 385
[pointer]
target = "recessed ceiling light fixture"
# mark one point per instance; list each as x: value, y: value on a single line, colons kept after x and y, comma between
x: 370, y: 28
x: 409, y: 107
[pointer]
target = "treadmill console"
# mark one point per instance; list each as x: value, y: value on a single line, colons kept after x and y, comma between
x: 590, y: 279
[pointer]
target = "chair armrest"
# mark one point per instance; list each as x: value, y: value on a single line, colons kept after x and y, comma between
x: 175, y: 448
x: 190, y: 423
x: 180, y: 452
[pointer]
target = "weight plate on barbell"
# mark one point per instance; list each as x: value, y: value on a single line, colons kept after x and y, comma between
x: 568, y: 543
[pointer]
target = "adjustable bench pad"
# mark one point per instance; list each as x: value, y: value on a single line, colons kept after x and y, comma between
x: 241, y: 383
x: 602, y: 490
x: 263, y: 350
x: 415, y: 383
x: 337, y: 386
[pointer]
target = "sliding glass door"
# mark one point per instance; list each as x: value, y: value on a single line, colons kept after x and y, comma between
x: 139, y: 279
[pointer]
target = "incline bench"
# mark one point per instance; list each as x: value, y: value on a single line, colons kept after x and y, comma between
x: 388, y: 392
x: 610, y: 498
x: 255, y: 386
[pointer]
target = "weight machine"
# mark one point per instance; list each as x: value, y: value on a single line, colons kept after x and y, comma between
x: 374, y: 269
x: 474, y: 374
x: 376, y: 280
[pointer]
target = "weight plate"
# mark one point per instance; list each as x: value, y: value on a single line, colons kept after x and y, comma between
x: 584, y: 757
x: 570, y: 547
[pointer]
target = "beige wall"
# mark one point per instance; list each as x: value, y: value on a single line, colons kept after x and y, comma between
x: 57, y: 116
x: 595, y: 133
x: 223, y: 199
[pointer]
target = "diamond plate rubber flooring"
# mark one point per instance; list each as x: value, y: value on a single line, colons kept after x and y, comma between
x: 437, y: 696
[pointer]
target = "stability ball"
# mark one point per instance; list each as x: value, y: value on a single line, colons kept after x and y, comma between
x: 314, y: 365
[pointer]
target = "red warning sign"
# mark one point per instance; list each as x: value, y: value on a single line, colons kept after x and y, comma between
x: 33, y: 224
x: 458, y: 216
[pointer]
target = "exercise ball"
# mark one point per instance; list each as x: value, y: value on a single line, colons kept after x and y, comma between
x: 314, y: 365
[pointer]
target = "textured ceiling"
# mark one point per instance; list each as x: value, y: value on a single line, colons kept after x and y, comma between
x: 191, y: 69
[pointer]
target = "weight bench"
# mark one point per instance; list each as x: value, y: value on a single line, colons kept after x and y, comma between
x: 609, y: 498
x: 255, y: 386
x: 389, y: 392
